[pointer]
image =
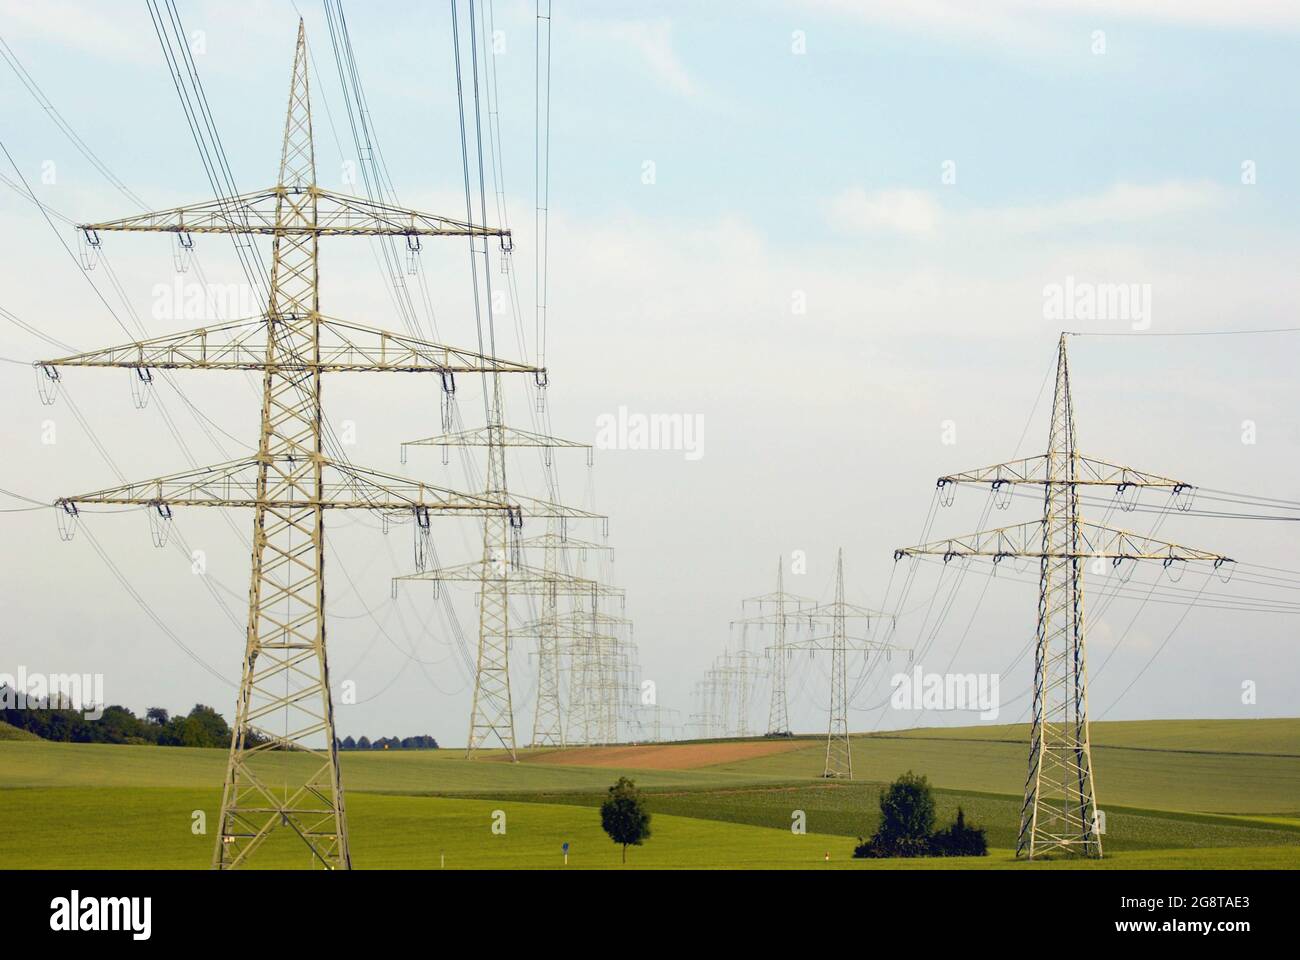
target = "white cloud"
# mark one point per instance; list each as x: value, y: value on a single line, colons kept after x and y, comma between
x: 893, y: 211
x: 1120, y: 203
x: 1047, y: 30
x: 1011, y: 18
x: 652, y: 41
x: 88, y: 27
x: 124, y: 33
x: 920, y: 212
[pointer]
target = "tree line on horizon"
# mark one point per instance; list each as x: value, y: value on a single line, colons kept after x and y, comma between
x: 421, y: 742
x: 52, y: 718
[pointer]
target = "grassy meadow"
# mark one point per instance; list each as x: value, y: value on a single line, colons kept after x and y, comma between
x: 1214, y: 794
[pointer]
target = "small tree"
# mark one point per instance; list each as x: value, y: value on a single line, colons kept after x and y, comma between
x: 211, y: 729
x: 906, y: 820
x: 624, y: 817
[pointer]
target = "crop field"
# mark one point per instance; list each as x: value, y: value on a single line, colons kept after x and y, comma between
x: 1216, y: 794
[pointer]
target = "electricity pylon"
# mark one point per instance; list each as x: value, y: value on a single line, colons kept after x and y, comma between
x: 657, y: 721
x: 548, y: 713
x: 724, y: 677
x: 591, y: 640
x: 501, y: 575
x: 736, y: 672
x: 839, y: 752
x: 605, y: 685
x: 1059, y: 810
x: 622, y: 677
x: 491, y: 709
x: 707, y: 718
x: 724, y: 694
x: 780, y: 602
x: 588, y: 640
x: 553, y: 631
x: 291, y: 482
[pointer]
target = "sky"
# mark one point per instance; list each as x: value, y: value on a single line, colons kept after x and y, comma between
x: 828, y: 233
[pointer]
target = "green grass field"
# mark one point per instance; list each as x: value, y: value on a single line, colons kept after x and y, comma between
x: 10, y: 732
x: 1215, y: 794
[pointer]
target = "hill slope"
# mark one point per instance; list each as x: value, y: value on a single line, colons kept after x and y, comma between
x: 9, y: 732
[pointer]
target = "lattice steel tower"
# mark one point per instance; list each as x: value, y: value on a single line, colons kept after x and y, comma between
x: 784, y: 608
x: 502, y: 576
x: 284, y: 697
x: 492, y: 709
x: 837, y: 613
x: 1059, y: 811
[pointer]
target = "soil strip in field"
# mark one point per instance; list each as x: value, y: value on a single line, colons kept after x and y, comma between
x: 677, y: 756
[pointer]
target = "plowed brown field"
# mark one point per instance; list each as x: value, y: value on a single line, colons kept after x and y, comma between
x: 667, y: 756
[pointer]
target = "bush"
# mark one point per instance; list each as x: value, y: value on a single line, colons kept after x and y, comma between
x: 907, y: 822
x: 906, y: 819
x: 960, y: 840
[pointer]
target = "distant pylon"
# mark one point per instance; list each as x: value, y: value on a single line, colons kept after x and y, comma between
x: 508, y: 575
x: 837, y: 613
x: 839, y: 753
x: 778, y: 709
x: 552, y: 631
x: 585, y: 636
x: 1059, y: 813
x: 548, y: 720
x: 781, y: 606
x: 491, y: 709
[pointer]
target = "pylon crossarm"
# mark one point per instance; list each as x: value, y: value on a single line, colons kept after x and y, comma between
x: 587, y: 618
x: 521, y: 578
x: 357, y: 488
x: 554, y: 541
x: 1025, y: 470
x: 352, y: 346
x: 1026, y: 540
x: 475, y: 570
x: 288, y: 486
x: 839, y: 608
x: 1014, y: 541
x: 762, y: 620
x: 779, y: 597
x: 789, y: 616
x: 532, y: 507
x: 247, y: 213
x: 344, y: 347
x: 573, y: 627
x: 341, y: 213
x: 238, y: 344
x: 535, y: 629
x: 329, y: 214
x: 505, y: 436
x: 1108, y: 542
x: 1088, y: 471
x: 828, y: 643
